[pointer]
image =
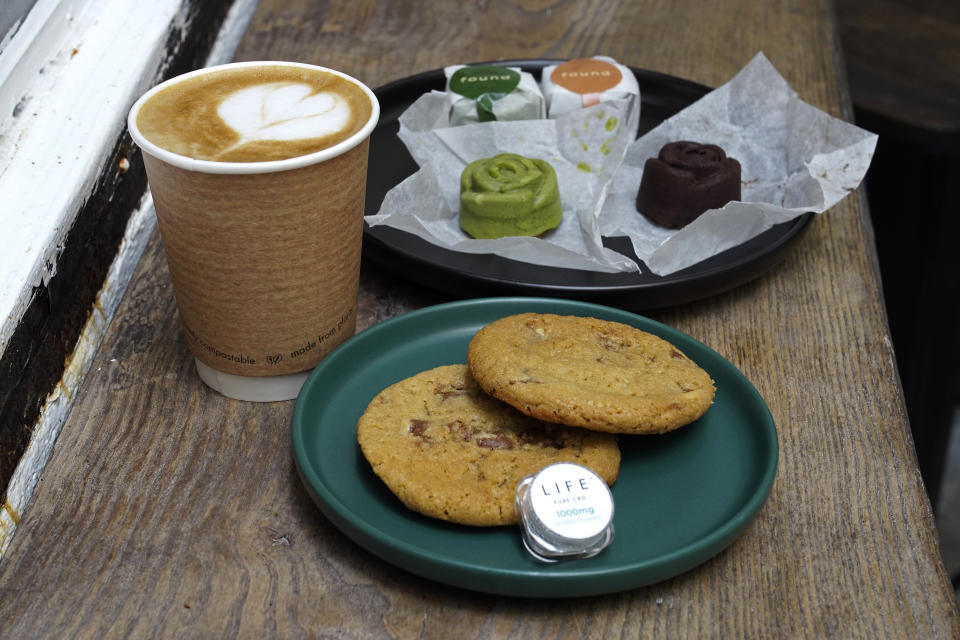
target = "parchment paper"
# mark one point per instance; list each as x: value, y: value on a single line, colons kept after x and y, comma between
x: 795, y: 159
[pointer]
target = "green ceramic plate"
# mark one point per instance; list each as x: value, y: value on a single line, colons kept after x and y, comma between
x: 680, y: 499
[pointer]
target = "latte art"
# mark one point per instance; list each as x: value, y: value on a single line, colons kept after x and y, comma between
x: 254, y: 114
x: 284, y: 111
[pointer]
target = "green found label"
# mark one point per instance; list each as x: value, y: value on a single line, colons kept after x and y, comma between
x: 484, y: 84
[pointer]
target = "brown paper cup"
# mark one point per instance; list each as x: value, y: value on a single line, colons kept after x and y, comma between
x: 264, y: 257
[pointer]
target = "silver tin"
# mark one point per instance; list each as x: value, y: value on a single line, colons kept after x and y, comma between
x: 566, y: 512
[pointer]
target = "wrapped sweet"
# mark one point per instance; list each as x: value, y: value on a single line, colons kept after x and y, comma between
x: 488, y: 92
x: 685, y: 180
x: 584, y: 82
x: 509, y: 195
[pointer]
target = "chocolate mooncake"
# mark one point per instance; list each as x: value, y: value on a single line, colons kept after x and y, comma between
x: 686, y: 179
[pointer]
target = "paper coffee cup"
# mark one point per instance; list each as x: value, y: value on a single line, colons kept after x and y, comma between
x: 263, y: 250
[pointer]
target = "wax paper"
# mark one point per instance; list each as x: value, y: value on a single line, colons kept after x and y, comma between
x: 795, y: 159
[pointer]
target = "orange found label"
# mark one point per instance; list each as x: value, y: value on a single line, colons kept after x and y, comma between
x: 586, y: 76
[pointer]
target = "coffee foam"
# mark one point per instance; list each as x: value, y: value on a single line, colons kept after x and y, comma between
x: 284, y: 111
x: 254, y: 114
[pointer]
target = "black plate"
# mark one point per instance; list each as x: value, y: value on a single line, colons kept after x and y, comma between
x: 475, y: 275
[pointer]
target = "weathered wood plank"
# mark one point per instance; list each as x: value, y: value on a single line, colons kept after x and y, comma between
x: 41, y: 331
x: 904, y: 64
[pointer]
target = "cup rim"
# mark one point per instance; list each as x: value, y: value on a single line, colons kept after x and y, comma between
x: 266, y: 166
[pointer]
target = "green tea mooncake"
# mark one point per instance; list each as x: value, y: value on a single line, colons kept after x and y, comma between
x: 509, y: 195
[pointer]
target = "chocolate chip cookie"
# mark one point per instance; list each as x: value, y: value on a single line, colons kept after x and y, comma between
x: 590, y: 373
x: 450, y: 451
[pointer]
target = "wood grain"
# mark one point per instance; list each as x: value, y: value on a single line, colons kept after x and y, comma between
x: 905, y: 63
x: 168, y: 511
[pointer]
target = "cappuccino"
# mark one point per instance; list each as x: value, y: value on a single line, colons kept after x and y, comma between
x: 254, y: 113
x: 258, y: 176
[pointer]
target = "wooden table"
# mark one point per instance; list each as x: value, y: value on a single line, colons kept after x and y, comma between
x: 169, y: 511
x: 914, y: 106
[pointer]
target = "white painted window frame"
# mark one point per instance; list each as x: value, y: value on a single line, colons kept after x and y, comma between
x: 69, y: 72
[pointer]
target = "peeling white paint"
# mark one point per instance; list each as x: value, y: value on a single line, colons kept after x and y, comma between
x: 67, y: 81
x: 60, y: 114
x: 100, y: 55
x: 60, y: 401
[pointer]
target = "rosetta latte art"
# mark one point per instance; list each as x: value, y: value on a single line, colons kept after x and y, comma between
x: 254, y: 113
x: 283, y: 111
